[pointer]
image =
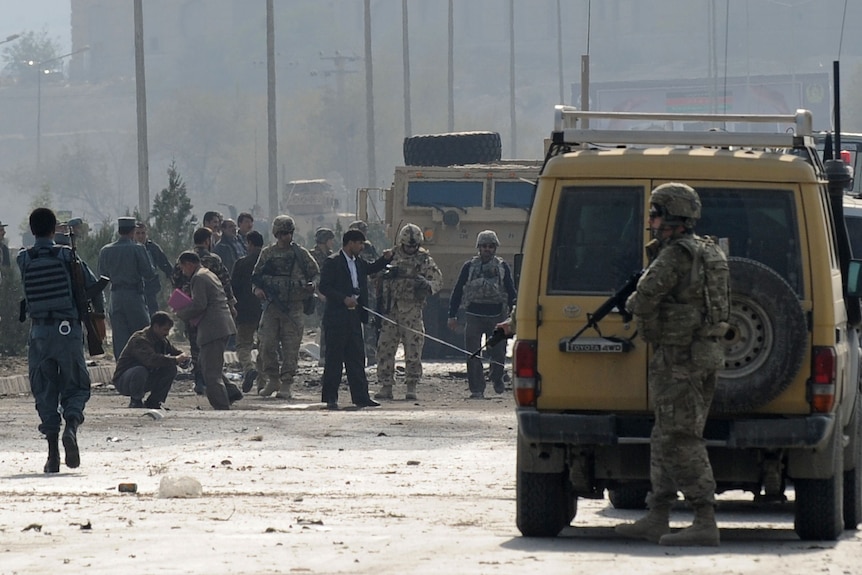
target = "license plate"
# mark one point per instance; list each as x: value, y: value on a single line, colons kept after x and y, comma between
x: 595, y: 345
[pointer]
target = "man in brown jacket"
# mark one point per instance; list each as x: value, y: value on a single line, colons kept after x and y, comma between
x: 148, y: 364
x: 211, y: 309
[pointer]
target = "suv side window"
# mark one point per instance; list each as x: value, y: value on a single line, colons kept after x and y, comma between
x: 854, y: 230
x: 598, y: 238
x: 758, y: 224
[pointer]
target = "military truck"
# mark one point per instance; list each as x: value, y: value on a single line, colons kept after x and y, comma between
x: 311, y: 203
x: 452, y: 204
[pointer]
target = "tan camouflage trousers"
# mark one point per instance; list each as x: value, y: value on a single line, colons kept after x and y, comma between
x: 280, y: 330
x: 681, y: 391
x: 244, y: 344
x: 409, y: 323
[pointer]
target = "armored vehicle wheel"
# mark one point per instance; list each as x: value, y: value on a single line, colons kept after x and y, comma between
x: 544, y: 504
x: 455, y: 148
x: 628, y: 496
x: 766, y: 342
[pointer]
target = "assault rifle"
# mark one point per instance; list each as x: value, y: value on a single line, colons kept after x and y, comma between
x: 88, y: 317
x: 496, y: 337
x: 618, y: 301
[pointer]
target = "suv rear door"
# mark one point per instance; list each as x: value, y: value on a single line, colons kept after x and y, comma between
x: 596, y: 244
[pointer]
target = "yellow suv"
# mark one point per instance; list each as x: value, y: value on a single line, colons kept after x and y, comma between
x: 787, y: 407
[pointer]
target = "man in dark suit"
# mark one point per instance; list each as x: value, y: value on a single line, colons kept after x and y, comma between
x: 344, y: 283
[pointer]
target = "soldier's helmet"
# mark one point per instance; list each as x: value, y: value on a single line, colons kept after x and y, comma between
x: 323, y: 235
x: 410, y: 235
x: 283, y: 224
x: 358, y: 225
x: 677, y: 203
x: 487, y: 237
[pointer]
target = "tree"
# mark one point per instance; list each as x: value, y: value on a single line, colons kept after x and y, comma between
x: 90, y: 243
x: 172, y: 224
x: 44, y: 199
x: 30, y: 47
x: 79, y: 177
x: 13, y: 334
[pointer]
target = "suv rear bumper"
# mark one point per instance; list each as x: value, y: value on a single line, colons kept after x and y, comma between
x: 811, y: 431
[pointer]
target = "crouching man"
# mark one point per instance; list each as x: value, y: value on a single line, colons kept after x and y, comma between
x: 148, y: 364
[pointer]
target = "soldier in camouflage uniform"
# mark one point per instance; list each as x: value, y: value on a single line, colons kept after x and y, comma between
x: 203, y: 244
x: 284, y: 276
x: 487, y: 292
x: 679, y: 309
x: 410, y: 278
x: 323, y: 240
x: 372, y: 328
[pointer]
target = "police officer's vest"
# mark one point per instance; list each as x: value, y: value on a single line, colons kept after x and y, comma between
x: 485, y: 282
x: 47, y: 282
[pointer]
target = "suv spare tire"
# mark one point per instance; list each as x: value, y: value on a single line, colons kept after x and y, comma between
x: 454, y: 148
x: 766, y: 342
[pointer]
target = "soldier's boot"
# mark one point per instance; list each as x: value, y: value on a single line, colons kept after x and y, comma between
x: 53, y: 463
x: 70, y: 443
x: 385, y: 392
x: 702, y: 533
x: 651, y: 526
x: 284, y: 392
x: 411, y: 392
x: 270, y: 388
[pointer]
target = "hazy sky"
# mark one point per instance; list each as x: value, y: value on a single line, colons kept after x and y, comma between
x: 22, y: 15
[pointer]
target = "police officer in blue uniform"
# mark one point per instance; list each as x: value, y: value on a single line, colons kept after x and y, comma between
x: 58, y: 375
x: 127, y: 264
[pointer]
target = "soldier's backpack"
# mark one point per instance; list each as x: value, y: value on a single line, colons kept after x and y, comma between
x: 716, y: 290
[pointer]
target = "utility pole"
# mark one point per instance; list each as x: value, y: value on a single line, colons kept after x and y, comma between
x: 272, y: 141
x: 339, y: 63
x: 369, y: 99
x: 512, y: 78
x: 560, y: 51
x: 405, y: 51
x: 141, y: 99
x: 451, y: 67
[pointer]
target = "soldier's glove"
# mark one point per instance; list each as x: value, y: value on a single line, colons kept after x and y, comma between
x: 391, y: 272
x: 422, y: 287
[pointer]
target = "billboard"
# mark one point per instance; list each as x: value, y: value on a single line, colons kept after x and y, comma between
x: 768, y: 94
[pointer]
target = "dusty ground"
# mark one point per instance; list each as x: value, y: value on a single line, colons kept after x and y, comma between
x: 420, y: 487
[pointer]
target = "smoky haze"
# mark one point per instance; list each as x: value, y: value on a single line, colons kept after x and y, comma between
x: 206, y: 85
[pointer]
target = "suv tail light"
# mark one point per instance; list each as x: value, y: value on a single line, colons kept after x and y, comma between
x: 526, y: 375
x: 822, y: 384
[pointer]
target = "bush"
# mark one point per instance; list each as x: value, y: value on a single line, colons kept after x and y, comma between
x: 13, y: 334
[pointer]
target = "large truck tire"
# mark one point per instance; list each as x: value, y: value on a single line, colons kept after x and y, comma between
x: 451, y: 149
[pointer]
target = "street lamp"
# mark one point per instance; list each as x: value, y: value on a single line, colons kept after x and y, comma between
x: 10, y: 38
x: 39, y: 66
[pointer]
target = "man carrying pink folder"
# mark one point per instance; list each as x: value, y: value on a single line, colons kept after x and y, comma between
x: 211, y: 309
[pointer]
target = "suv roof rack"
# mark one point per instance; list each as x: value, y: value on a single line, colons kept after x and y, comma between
x: 571, y: 128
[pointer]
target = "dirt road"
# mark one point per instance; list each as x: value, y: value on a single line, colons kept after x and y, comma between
x: 418, y: 487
